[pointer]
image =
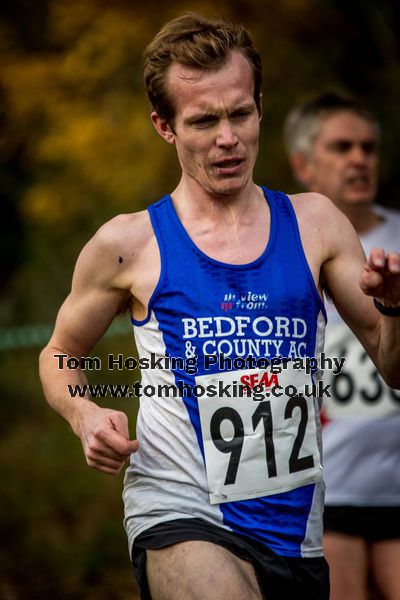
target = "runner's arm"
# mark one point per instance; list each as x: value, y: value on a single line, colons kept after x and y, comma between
x: 97, y: 295
x: 353, y: 282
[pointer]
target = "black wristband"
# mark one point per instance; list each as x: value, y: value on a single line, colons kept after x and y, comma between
x: 388, y: 311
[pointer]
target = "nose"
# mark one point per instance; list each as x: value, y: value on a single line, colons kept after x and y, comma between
x: 226, y: 135
x: 358, y: 155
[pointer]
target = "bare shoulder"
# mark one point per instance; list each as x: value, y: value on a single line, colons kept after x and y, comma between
x: 316, y: 206
x: 125, y: 233
x: 115, y: 247
x: 316, y: 213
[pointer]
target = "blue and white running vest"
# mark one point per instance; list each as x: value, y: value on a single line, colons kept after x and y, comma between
x: 214, y: 442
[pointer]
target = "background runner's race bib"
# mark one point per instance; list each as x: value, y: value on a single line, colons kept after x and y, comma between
x: 263, y: 446
x: 358, y: 390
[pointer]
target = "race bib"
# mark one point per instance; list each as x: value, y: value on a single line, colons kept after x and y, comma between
x: 358, y: 390
x: 258, y: 443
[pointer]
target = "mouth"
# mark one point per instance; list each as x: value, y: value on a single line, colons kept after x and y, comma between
x: 358, y: 180
x: 228, y: 166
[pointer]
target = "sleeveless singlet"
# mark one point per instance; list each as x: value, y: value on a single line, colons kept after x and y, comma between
x: 248, y: 465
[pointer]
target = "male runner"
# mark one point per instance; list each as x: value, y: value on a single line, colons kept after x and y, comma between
x: 333, y: 144
x: 223, y: 495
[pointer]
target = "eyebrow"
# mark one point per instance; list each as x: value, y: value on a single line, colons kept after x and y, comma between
x: 205, y: 113
x: 350, y: 142
x: 359, y: 140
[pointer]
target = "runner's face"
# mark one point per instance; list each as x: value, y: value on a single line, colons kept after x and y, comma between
x: 344, y: 160
x: 216, y: 125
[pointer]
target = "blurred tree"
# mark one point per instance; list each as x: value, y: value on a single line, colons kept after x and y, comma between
x: 71, y: 75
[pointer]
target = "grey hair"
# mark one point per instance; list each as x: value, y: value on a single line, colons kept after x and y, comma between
x: 303, y: 123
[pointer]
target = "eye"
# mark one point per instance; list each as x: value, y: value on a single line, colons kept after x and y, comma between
x: 203, y: 122
x: 241, y: 114
x: 341, y: 146
x: 370, y: 147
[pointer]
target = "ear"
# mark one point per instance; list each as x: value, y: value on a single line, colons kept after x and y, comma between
x: 301, y: 167
x: 162, y: 128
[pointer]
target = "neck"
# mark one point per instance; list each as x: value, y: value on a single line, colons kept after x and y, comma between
x: 362, y: 217
x: 193, y: 202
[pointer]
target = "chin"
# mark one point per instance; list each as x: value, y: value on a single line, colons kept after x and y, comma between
x: 228, y: 193
x: 359, y: 199
x: 230, y: 188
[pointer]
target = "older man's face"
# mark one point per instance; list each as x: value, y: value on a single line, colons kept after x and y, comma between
x: 344, y: 161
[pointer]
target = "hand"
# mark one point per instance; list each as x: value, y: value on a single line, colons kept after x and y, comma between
x: 381, y: 277
x: 105, y: 439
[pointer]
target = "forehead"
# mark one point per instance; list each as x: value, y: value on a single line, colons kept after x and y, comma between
x: 193, y: 90
x: 346, y: 125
